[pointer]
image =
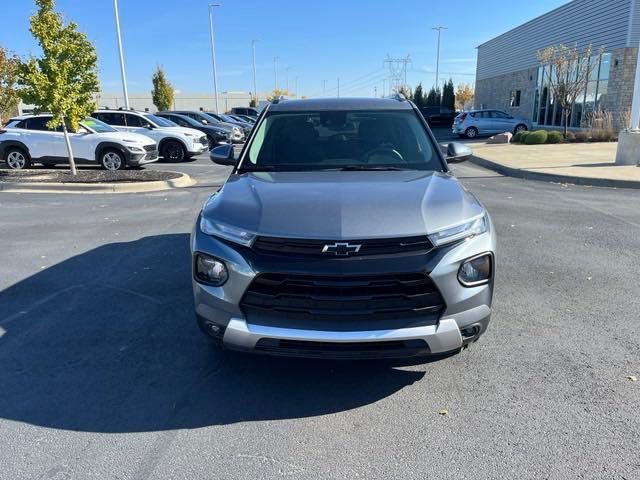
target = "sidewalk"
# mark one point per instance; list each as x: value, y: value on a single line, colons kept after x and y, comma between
x: 580, y: 163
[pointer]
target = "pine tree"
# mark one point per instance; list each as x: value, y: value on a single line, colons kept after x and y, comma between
x: 433, y: 97
x: 162, y: 93
x: 418, y: 96
x: 448, y: 95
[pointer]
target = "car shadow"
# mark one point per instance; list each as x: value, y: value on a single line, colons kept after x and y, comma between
x: 106, y: 341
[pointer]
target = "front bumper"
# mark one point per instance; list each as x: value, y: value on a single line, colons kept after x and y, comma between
x: 196, y: 148
x: 465, y: 318
x: 138, y: 159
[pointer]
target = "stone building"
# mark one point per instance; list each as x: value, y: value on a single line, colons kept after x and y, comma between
x: 509, y: 78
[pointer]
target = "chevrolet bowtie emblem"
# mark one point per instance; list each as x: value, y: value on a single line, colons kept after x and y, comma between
x: 341, y: 249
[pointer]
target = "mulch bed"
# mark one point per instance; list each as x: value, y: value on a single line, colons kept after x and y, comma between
x: 84, y: 176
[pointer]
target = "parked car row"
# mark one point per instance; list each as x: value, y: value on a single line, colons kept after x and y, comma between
x: 116, y: 139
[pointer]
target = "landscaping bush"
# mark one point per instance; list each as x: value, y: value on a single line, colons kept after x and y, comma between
x: 537, y: 137
x: 517, y: 138
x: 571, y: 137
x: 582, y: 137
x: 554, y: 137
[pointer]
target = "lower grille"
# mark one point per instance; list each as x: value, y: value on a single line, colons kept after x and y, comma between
x: 342, y: 302
x: 344, y: 350
x: 150, y: 148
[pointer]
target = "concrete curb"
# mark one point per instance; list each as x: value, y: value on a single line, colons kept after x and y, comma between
x: 90, y: 188
x: 551, y: 177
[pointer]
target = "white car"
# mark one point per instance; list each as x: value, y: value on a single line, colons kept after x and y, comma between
x: 175, y: 143
x: 27, y: 139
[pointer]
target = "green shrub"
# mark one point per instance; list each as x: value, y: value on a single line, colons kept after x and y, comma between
x: 517, y: 138
x: 554, y: 137
x: 537, y: 137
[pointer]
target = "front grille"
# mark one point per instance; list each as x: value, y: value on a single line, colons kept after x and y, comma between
x: 204, y: 141
x: 150, y: 148
x: 383, y: 246
x: 345, y: 302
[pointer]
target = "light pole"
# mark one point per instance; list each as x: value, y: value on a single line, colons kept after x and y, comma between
x: 275, y: 72
x: 213, y: 53
x: 324, y: 88
x: 439, y: 28
x: 122, y: 72
x: 297, y: 77
x: 338, y: 87
x: 255, y: 85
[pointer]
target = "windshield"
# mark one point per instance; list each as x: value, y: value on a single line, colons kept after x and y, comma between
x: 187, y: 120
x: 209, y: 118
x: 228, y: 118
x: 96, y: 125
x: 159, y: 121
x: 376, y: 140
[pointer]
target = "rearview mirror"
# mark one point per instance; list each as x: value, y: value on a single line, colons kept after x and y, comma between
x: 223, y: 155
x: 458, y: 152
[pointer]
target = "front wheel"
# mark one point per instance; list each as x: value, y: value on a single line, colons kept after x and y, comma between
x: 174, y: 151
x: 112, y: 160
x: 17, y: 159
x: 471, y: 132
x: 520, y: 128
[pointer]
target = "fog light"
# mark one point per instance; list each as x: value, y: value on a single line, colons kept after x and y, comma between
x: 476, y: 271
x: 210, y: 270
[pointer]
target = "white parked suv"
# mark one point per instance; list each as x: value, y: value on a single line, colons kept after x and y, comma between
x: 27, y: 139
x: 175, y: 143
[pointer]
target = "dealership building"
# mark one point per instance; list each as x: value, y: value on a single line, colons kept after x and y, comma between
x: 509, y: 77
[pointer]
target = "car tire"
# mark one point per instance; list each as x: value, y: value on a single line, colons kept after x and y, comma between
x: 520, y: 128
x: 471, y: 132
x: 17, y: 159
x: 174, y: 151
x: 112, y: 159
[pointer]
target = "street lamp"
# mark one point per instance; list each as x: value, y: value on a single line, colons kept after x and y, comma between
x: 275, y: 72
x: 286, y: 72
x: 439, y: 28
x: 213, y: 53
x: 122, y: 72
x: 255, y: 85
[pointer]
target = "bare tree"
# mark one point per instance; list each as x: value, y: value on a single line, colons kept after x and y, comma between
x: 567, y: 72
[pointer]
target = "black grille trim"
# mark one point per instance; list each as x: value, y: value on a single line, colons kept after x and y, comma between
x: 311, y: 247
x: 342, y: 350
x: 350, y: 302
x: 150, y: 148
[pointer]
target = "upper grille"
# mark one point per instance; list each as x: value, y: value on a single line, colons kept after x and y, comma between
x: 382, y: 246
x: 342, y: 300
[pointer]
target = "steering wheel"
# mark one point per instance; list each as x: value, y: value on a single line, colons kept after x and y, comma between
x: 387, y: 149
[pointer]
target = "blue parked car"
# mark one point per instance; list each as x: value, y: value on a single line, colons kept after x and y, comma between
x: 488, y: 122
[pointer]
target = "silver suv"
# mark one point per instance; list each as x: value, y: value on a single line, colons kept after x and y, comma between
x: 341, y: 232
x: 487, y: 122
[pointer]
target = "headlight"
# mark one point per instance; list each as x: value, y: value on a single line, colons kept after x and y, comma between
x: 135, y: 149
x: 476, y: 271
x: 227, y: 232
x: 210, y: 270
x: 459, y: 232
x: 236, y: 130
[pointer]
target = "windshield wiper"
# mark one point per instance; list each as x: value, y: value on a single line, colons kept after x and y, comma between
x: 353, y: 168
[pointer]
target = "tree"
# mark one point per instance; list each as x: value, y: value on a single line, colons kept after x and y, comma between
x: 162, y: 93
x: 448, y: 95
x: 464, y: 95
x: 64, y: 79
x: 567, y: 72
x: 433, y: 97
x: 277, y: 93
x: 405, y: 91
x: 418, y: 96
x: 9, y: 99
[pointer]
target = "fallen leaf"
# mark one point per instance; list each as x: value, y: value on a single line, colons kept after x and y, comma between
x: 589, y: 278
x: 633, y: 378
x: 444, y: 412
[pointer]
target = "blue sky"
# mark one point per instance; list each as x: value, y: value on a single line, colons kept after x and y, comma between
x: 319, y: 40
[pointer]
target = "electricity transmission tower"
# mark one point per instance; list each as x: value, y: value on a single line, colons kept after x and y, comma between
x: 397, y: 72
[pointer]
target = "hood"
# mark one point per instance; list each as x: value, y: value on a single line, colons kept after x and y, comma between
x: 120, y: 136
x: 342, y: 205
x: 179, y: 130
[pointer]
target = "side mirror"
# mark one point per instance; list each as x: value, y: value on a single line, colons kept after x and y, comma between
x: 458, y: 152
x: 148, y: 126
x: 223, y: 155
x: 204, y: 122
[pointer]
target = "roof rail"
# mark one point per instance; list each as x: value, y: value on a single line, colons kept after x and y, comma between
x: 397, y: 96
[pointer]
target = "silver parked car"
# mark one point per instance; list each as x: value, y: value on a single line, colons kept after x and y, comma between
x: 342, y: 233
x: 487, y: 122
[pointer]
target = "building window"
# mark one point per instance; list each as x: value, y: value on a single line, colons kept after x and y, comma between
x: 515, y: 98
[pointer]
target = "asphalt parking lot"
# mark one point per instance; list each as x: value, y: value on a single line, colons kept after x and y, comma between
x: 105, y: 374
